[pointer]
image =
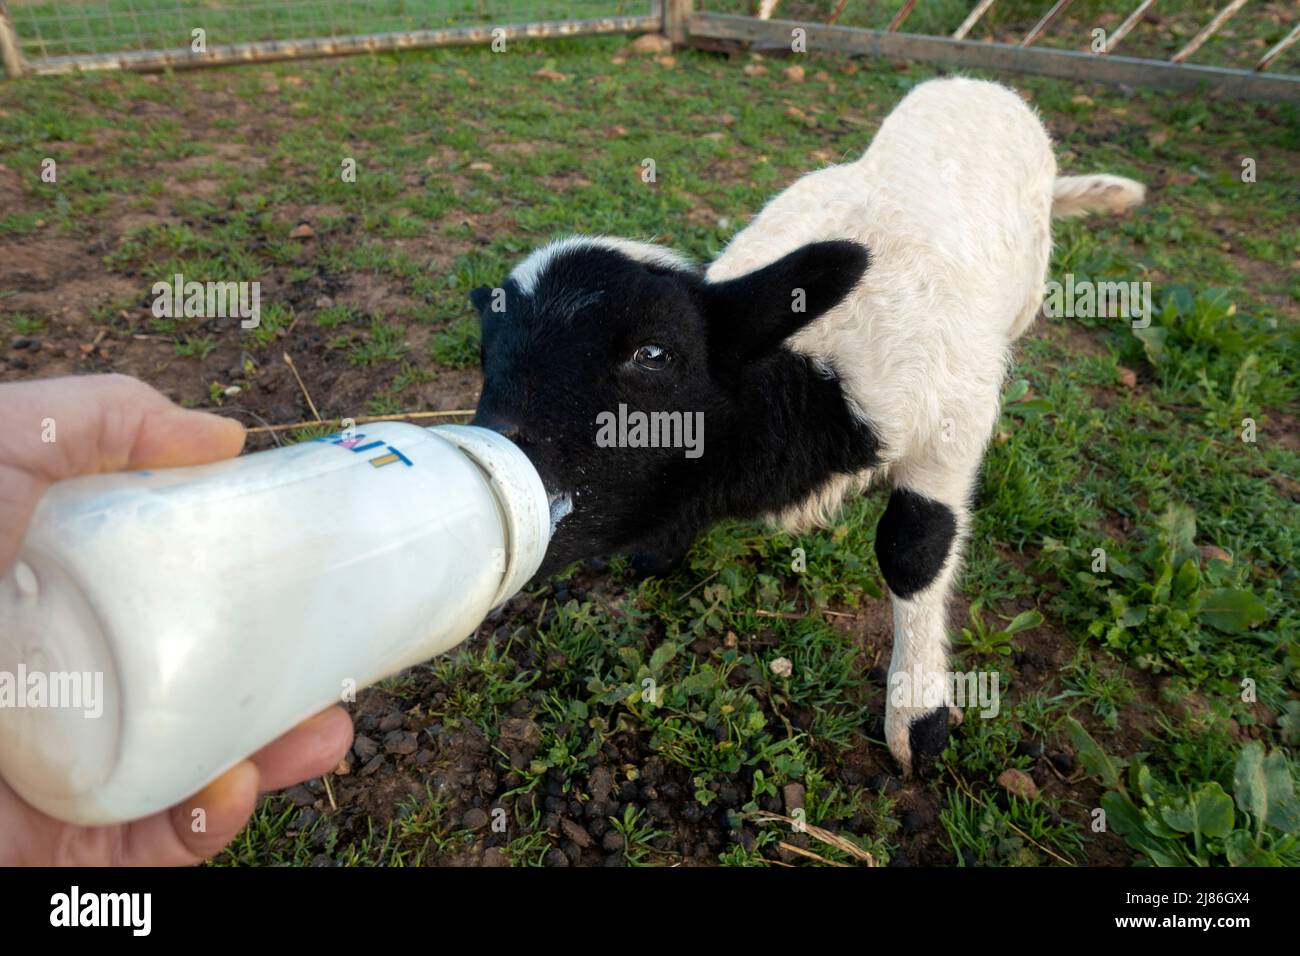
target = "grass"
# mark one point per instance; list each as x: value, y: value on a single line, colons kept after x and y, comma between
x: 1132, y: 563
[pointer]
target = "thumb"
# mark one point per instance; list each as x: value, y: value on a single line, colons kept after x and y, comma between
x: 64, y: 427
x: 172, y: 436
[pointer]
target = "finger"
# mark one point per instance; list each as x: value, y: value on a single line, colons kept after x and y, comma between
x: 173, y: 437
x: 198, y: 828
x: 64, y: 427
x: 311, y: 749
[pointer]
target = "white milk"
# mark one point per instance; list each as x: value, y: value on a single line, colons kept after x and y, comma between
x: 179, y: 620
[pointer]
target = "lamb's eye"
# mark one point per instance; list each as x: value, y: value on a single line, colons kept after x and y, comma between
x: 652, y: 357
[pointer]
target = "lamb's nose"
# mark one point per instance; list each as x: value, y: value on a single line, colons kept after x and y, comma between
x: 502, y: 426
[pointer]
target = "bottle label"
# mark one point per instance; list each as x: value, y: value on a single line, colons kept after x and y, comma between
x: 358, y: 444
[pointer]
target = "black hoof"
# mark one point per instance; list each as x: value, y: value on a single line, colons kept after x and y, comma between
x: 928, y: 738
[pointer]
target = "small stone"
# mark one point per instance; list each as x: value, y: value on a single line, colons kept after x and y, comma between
x: 600, y: 784
x: 1212, y: 552
x: 372, y: 765
x: 474, y: 819
x: 612, y: 842
x: 391, y: 721
x: 652, y: 43
x: 1018, y: 783
x: 481, y: 167
x: 754, y: 69
x: 1029, y: 748
x: 401, y: 743
x: 1127, y: 377
x: 302, y: 231
x: 576, y: 833
x: 495, y: 856
x: 1063, y: 762
x: 794, y: 74
x: 232, y: 390
x: 793, y: 796
x: 1081, y: 100
x: 666, y: 61
x: 300, y: 796
x: 782, y: 667
x: 546, y: 73
x: 21, y: 343
x: 555, y: 857
x: 364, y: 747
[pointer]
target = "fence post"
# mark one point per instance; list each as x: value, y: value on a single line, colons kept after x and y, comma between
x: 10, y: 52
x: 677, y: 20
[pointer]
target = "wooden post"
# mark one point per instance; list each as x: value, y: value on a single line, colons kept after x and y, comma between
x: 10, y: 51
x: 677, y: 20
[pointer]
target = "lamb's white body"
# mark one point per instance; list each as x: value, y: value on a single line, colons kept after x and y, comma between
x: 953, y: 199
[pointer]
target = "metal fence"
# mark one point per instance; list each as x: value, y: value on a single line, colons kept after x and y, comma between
x: 48, y: 36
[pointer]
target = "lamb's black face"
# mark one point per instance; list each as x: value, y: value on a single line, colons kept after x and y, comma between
x: 619, y: 371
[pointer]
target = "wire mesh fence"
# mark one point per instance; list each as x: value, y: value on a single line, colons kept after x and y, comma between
x: 52, y: 35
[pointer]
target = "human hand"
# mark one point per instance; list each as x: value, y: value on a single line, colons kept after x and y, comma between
x: 109, y: 423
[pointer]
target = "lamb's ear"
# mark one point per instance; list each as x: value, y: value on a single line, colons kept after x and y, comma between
x: 480, y: 298
x: 754, y: 313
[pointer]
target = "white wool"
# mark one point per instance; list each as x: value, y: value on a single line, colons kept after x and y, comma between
x: 954, y: 200
x: 531, y: 269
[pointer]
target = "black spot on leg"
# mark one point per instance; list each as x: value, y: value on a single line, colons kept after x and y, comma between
x: 928, y: 736
x: 913, y: 539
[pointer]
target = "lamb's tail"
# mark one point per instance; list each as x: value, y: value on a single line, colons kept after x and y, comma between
x: 1080, y: 195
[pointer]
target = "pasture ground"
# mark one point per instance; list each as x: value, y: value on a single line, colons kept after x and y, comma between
x: 1142, y: 689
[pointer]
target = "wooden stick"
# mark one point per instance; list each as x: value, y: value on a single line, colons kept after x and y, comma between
x: 835, y: 14
x: 305, y: 394
x: 899, y: 17
x: 11, y: 52
x: 1122, y: 31
x: 791, y: 848
x: 1210, y: 28
x: 980, y: 9
x: 817, y: 833
x: 1281, y: 45
x: 363, y: 420
x: 1048, y: 18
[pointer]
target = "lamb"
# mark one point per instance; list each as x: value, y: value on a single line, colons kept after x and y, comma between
x: 859, y: 328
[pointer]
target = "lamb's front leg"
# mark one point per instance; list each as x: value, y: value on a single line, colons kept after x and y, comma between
x: 918, y: 544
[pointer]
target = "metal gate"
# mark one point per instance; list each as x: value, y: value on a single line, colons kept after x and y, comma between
x: 52, y: 36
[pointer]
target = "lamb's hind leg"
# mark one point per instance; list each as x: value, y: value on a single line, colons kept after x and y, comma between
x: 918, y: 544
